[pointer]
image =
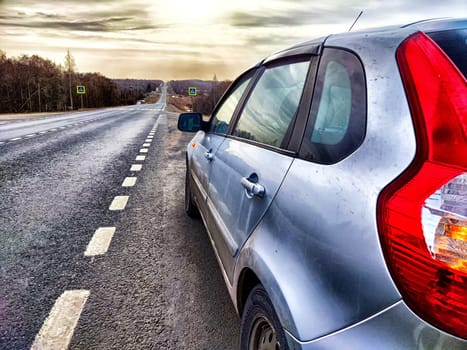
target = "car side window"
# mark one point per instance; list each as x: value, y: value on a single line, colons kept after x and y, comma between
x: 337, y: 120
x: 332, y: 119
x: 221, y: 118
x: 273, y: 104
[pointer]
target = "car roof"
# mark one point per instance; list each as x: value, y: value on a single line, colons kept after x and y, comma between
x: 395, y: 32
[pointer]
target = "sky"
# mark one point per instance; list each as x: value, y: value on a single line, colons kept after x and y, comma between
x: 189, y: 39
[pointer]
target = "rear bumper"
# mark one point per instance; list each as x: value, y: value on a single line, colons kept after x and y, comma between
x: 395, y: 328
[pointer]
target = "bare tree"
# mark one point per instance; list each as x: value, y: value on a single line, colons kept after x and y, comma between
x: 70, y: 66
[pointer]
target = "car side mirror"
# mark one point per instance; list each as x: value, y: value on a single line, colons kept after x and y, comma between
x: 190, y: 122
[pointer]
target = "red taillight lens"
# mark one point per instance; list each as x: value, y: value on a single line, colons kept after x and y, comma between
x: 422, y: 215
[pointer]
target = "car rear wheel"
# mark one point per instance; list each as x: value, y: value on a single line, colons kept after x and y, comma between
x: 190, y: 207
x: 261, y: 329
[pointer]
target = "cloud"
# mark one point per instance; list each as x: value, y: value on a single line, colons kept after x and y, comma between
x: 248, y: 20
x: 290, y: 14
x: 70, y: 16
x: 157, y: 38
x: 103, y: 25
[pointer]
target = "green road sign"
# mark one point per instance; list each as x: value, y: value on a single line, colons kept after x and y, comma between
x: 192, y: 91
x: 80, y: 89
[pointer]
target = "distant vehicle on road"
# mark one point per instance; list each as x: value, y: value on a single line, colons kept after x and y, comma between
x: 332, y: 180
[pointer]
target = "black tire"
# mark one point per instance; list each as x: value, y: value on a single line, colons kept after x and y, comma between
x: 190, y: 207
x: 261, y: 329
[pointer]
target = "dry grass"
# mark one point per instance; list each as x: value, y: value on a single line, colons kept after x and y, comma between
x: 153, y: 97
x: 182, y: 103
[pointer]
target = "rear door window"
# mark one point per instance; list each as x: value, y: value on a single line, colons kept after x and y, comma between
x: 273, y: 104
x: 454, y: 44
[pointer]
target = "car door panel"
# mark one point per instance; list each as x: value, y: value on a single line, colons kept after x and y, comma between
x: 200, y: 165
x: 234, y: 213
x: 204, y: 146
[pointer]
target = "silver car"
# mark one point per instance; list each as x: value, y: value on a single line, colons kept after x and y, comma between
x: 332, y: 181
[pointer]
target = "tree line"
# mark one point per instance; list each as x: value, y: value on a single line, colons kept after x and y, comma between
x: 205, y: 103
x: 209, y: 93
x: 35, y: 84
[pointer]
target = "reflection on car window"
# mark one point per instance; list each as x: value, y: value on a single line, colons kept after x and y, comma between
x: 273, y: 104
x: 333, y: 115
x: 337, y: 121
x: 220, y: 121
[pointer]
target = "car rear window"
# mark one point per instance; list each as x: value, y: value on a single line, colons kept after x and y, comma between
x: 454, y: 44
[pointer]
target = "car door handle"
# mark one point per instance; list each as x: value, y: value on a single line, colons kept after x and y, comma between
x: 208, y: 155
x: 253, y: 189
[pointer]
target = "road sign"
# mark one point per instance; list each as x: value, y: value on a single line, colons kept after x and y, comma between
x: 192, y: 91
x: 80, y: 89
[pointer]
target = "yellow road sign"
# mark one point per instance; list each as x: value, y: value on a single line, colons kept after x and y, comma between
x: 192, y: 91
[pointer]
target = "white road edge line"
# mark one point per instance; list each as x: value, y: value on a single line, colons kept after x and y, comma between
x: 143, y: 150
x: 129, y: 181
x: 140, y: 158
x: 119, y: 203
x: 58, y: 328
x: 136, y: 167
x: 100, y: 241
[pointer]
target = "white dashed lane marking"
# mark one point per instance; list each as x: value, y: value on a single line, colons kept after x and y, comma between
x: 143, y: 150
x: 100, y: 241
x: 140, y: 158
x: 30, y: 135
x: 136, y: 167
x: 16, y: 139
x: 58, y: 328
x: 119, y: 203
x: 44, y: 132
x: 129, y: 182
x: 148, y: 140
x: 146, y: 144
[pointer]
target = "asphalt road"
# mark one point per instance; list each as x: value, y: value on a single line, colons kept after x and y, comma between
x: 158, y: 286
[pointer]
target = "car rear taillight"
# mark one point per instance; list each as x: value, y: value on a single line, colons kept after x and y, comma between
x: 422, y: 215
